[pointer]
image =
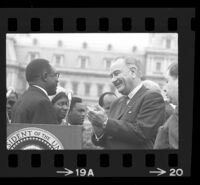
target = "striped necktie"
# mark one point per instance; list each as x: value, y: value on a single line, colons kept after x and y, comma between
x: 125, y: 102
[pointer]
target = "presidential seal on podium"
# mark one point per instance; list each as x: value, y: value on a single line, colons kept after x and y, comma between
x: 32, y: 138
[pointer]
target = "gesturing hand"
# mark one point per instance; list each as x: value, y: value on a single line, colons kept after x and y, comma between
x: 97, y: 116
x: 97, y: 130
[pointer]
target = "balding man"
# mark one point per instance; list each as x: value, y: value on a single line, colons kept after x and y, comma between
x: 135, y: 117
x: 34, y: 105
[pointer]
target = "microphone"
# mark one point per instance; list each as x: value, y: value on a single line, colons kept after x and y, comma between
x: 69, y: 95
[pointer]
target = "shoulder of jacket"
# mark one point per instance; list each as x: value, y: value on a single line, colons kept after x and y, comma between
x: 152, y: 93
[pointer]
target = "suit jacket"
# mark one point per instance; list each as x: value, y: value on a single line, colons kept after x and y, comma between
x: 167, y: 137
x: 33, y: 107
x: 133, y: 126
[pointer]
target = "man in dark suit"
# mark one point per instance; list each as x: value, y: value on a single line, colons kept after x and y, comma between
x: 135, y: 117
x: 34, y: 105
x: 168, y: 136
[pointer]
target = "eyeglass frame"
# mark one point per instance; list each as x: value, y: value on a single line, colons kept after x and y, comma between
x: 54, y: 74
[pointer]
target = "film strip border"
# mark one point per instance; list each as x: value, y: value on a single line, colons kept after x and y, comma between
x: 104, y: 160
x: 102, y: 163
x: 95, y: 164
x: 95, y: 20
x: 103, y: 24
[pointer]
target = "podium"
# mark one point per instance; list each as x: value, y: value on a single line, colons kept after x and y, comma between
x: 43, y: 137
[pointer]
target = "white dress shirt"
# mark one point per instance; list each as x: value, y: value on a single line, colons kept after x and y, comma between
x: 134, y: 91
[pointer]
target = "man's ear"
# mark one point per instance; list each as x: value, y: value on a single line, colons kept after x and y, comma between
x: 133, y: 71
x: 44, y: 76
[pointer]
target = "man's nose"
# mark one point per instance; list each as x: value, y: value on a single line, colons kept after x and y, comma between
x: 113, y: 79
x: 8, y: 106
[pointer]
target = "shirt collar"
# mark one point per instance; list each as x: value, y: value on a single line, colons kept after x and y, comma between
x: 134, y: 91
x: 42, y: 89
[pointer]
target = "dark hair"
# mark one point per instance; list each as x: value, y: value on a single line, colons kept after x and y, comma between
x: 74, y: 101
x: 59, y: 96
x: 173, y: 70
x: 35, y: 68
x: 101, y: 102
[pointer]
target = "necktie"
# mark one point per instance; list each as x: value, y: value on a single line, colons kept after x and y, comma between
x: 125, y: 102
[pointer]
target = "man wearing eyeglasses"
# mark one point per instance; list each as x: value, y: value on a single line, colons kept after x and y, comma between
x: 34, y: 105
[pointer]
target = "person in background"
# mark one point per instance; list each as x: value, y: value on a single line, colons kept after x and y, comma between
x: 151, y: 85
x: 106, y: 99
x: 168, y: 136
x: 77, y: 110
x: 155, y: 87
x: 12, y: 97
x: 34, y: 106
x: 60, y: 103
x: 169, y: 107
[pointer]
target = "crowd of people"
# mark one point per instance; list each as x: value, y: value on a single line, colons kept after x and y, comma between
x: 143, y: 117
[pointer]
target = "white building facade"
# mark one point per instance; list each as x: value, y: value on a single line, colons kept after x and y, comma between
x: 83, y: 70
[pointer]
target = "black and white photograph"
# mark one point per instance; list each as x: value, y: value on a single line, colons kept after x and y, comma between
x: 92, y: 91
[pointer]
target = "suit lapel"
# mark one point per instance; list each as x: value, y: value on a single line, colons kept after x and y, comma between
x: 117, y: 109
x: 135, y: 97
x: 122, y: 107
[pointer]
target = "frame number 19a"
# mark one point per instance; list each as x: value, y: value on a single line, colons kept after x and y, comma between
x: 84, y: 173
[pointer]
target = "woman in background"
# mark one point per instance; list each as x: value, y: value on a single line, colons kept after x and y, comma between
x: 60, y: 103
x: 12, y: 97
